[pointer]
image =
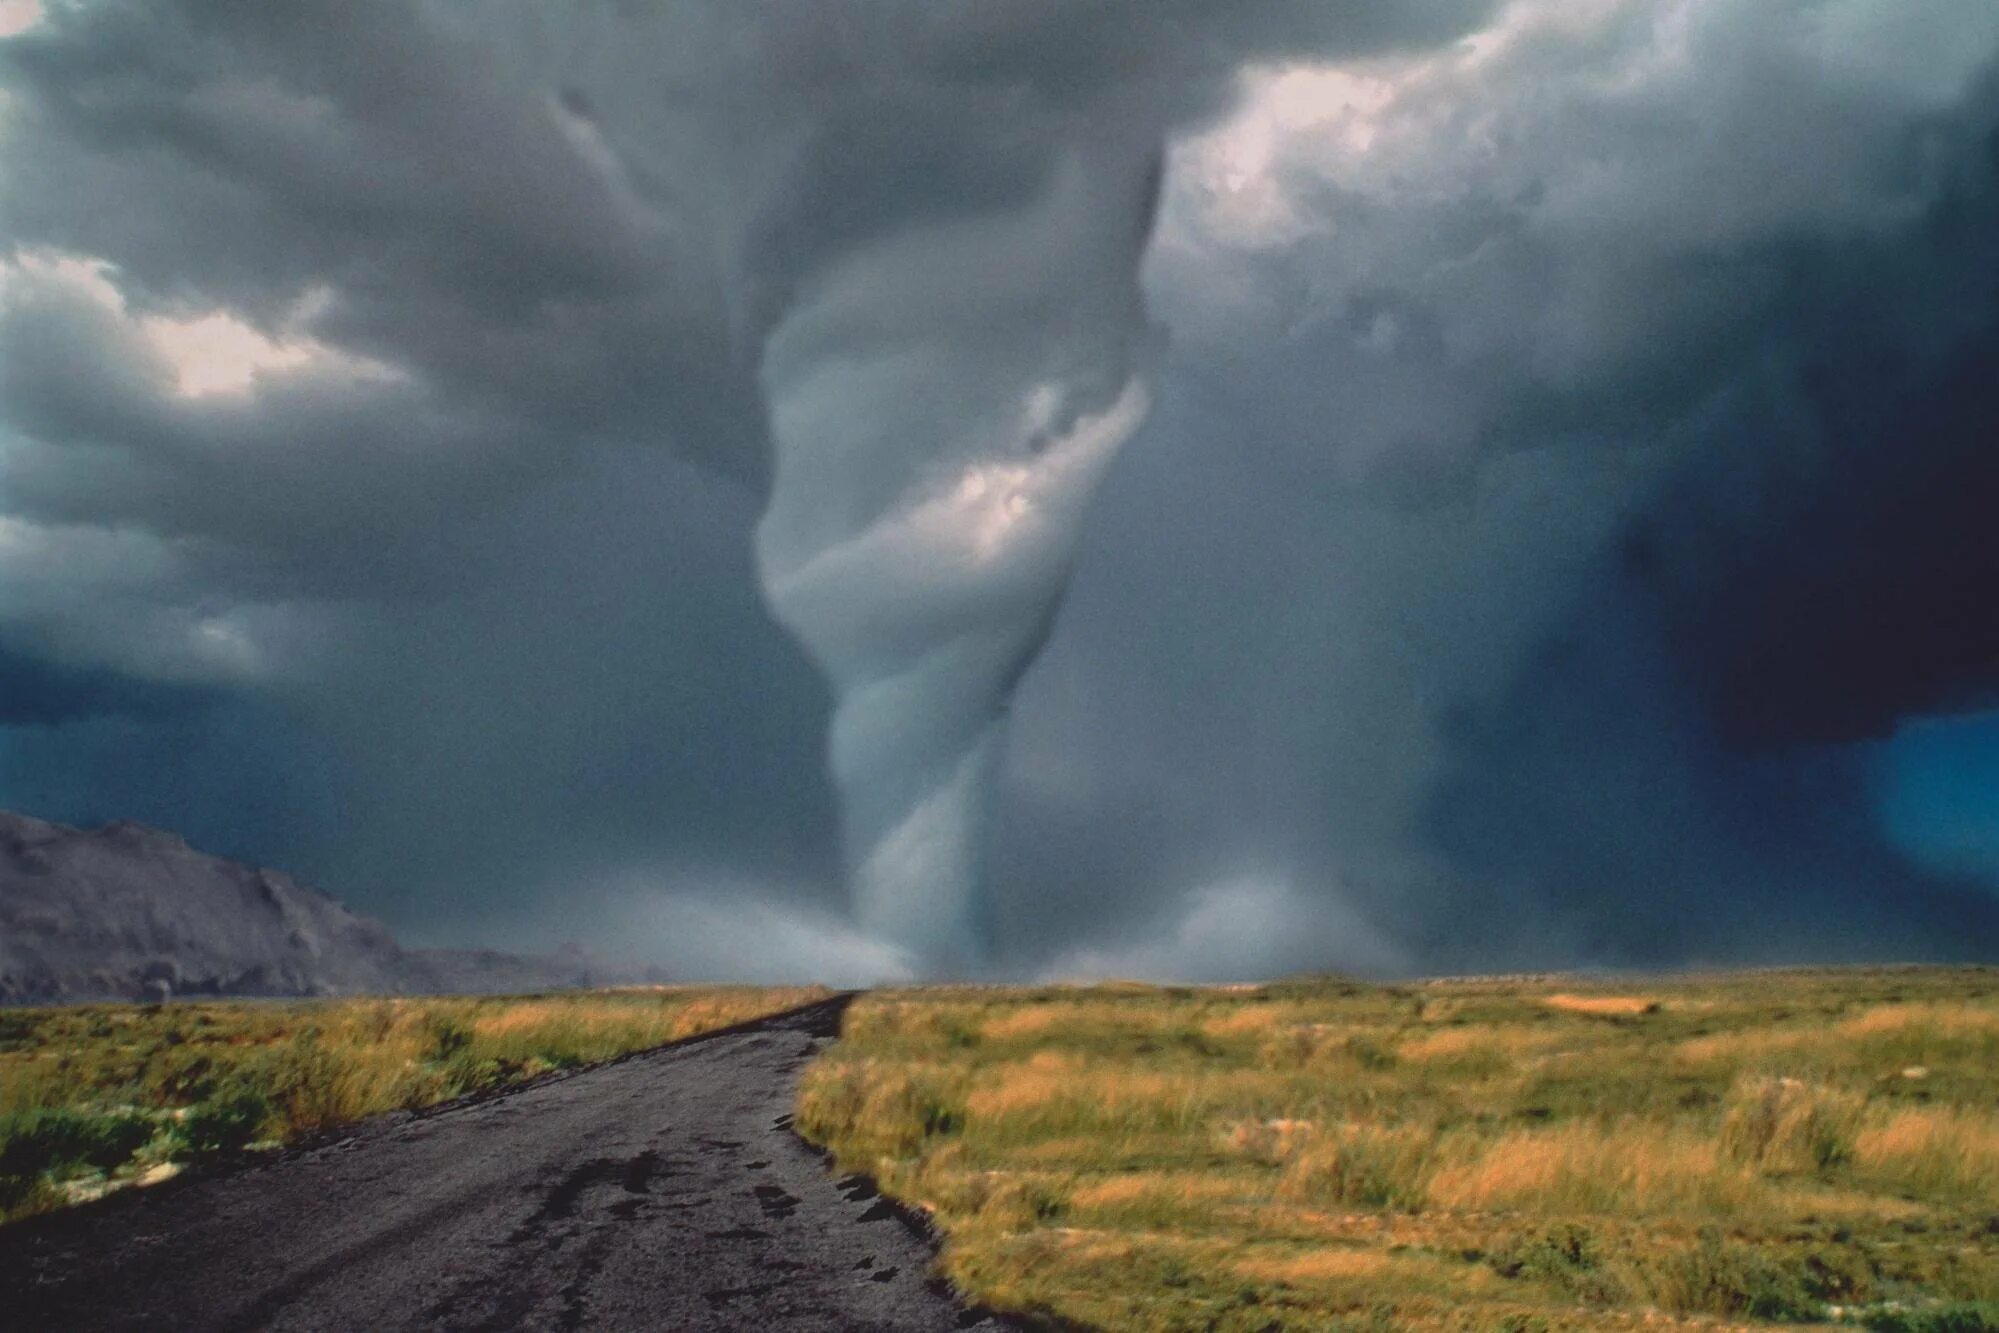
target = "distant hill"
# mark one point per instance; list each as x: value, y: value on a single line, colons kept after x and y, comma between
x: 130, y: 912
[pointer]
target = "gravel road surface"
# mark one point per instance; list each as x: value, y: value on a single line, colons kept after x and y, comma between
x: 664, y: 1191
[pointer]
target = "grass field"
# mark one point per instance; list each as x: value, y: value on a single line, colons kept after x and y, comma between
x: 97, y: 1096
x: 1787, y: 1147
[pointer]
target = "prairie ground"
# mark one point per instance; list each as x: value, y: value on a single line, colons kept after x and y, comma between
x: 1506, y: 1154
x: 97, y: 1096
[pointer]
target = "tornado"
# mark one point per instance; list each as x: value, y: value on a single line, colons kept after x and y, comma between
x: 917, y: 232
x: 910, y: 235
x: 943, y: 405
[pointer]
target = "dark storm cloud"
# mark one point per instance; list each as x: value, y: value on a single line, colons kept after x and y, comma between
x: 35, y: 692
x: 495, y: 638
x: 1880, y: 561
x: 478, y: 255
x: 1819, y: 569
x: 1581, y: 440
x: 521, y: 237
x: 360, y: 180
x: 1564, y: 443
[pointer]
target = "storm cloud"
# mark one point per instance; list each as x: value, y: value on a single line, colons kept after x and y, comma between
x: 424, y: 429
x: 1607, y: 400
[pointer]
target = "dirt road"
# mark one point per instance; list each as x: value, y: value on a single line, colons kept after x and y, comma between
x: 665, y: 1191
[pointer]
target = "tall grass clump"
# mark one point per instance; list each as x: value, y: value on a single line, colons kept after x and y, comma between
x: 1361, y: 1165
x: 1589, y: 1168
x: 1788, y: 1125
x: 1941, y: 1151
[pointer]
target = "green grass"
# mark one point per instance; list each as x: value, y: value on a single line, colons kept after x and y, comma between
x: 97, y: 1096
x: 1700, y: 1152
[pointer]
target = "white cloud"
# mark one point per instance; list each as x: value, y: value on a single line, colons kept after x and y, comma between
x: 217, y: 352
x: 17, y: 16
x: 1619, y: 131
x: 1230, y: 185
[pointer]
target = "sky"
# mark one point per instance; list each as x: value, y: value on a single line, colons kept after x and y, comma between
x: 1119, y: 487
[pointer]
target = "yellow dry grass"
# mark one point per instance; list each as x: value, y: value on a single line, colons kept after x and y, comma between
x: 1447, y: 1044
x: 1472, y: 1155
x: 1626, y: 1166
x: 1934, y: 1150
x: 1321, y: 1265
x: 1729, y: 1049
x: 1020, y: 1024
x: 1155, y: 1191
x: 1604, y: 1006
x: 1941, y: 1020
x: 1246, y: 1020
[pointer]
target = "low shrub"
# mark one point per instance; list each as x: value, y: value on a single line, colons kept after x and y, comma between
x: 226, y: 1123
x: 55, y: 1140
x: 1567, y: 1257
x: 1716, y: 1277
x: 1839, y: 1274
x: 43, y: 1145
x: 1958, y: 1317
x: 448, y: 1036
